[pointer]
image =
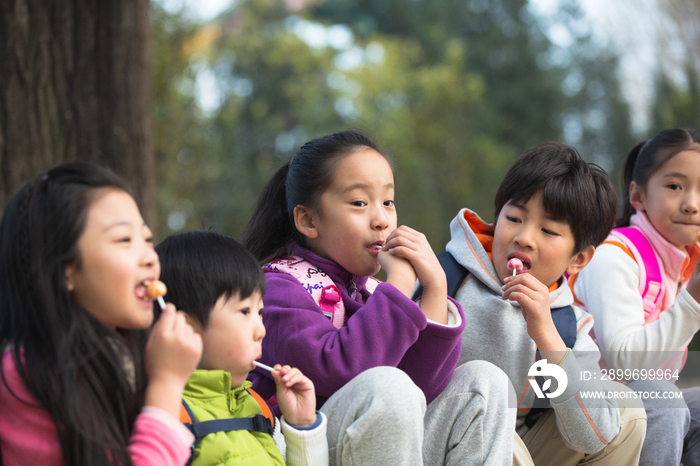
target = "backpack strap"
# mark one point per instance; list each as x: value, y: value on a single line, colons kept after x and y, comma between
x: 454, y: 271
x: 258, y: 423
x: 317, y: 282
x: 266, y: 411
x: 565, y: 322
x: 650, y: 269
x: 372, y: 284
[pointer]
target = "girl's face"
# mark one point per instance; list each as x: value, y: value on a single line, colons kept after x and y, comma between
x: 356, y: 213
x: 115, y: 258
x: 671, y: 199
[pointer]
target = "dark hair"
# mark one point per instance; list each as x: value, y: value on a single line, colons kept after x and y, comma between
x: 199, y: 267
x: 648, y: 156
x: 573, y: 191
x: 271, y: 231
x: 77, y: 368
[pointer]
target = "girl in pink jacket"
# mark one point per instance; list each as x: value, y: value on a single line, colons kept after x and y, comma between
x: 81, y: 382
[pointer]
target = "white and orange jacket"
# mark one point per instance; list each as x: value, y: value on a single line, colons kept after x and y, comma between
x: 609, y: 289
x: 496, y: 331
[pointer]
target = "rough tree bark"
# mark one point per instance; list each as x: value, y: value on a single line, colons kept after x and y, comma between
x: 75, y: 84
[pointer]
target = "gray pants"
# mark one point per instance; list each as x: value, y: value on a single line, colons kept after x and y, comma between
x: 380, y: 418
x: 691, y: 444
x: 667, y: 424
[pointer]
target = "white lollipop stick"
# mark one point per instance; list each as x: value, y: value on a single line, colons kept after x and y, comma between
x: 261, y: 365
x: 155, y: 290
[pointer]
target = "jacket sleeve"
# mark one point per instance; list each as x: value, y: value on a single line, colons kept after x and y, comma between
x: 159, y: 439
x: 389, y: 330
x: 609, y: 288
x: 587, y: 424
x: 306, y: 447
x: 28, y: 434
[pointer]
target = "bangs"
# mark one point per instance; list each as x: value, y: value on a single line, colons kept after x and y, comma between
x: 199, y: 267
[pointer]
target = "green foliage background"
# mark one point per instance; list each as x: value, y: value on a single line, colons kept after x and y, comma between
x: 454, y: 90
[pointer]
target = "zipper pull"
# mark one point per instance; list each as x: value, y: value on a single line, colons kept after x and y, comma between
x: 353, y: 289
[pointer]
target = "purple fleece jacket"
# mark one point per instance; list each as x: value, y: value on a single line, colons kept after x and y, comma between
x: 382, y: 329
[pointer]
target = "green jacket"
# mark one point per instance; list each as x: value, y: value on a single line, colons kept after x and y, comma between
x: 210, y: 396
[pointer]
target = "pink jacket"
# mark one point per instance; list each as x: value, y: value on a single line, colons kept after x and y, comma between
x: 28, y: 436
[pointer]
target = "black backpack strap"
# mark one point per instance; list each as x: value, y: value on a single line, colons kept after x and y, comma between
x: 454, y: 271
x: 258, y: 423
x: 189, y: 425
x: 565, y: 321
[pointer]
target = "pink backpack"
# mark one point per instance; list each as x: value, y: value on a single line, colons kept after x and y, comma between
x: 318, y: 284
x: 651, y: 270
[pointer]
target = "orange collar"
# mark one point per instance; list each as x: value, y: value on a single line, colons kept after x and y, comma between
x: 690, y: 261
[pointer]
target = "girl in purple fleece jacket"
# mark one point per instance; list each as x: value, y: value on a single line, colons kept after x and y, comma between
x: 330, y: 211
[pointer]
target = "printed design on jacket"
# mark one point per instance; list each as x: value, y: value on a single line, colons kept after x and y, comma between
x: 317, y: 282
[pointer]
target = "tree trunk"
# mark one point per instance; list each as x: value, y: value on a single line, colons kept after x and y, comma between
x: 75, y: 84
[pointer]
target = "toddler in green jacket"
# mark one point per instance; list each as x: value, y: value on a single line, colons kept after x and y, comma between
x: 219, y: 286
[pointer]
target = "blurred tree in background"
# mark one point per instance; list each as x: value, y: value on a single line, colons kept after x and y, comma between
x: 454, y: 90
x: 75, y: 85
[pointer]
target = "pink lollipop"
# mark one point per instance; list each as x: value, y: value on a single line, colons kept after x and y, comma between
x: 515, y: 264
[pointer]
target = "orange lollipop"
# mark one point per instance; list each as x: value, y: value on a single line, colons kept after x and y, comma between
x: 156, y: 290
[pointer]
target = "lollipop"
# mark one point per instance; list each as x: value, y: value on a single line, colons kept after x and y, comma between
x: 515, y: 264
x: 263, y: 366
x: 156, y: 290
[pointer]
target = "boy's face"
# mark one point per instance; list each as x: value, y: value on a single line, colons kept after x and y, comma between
x: 525, y: 231
x: 233, y: 336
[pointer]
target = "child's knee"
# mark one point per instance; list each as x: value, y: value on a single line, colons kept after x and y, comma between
x: 483, y: 377
x: 390, y: 389
x: 632, y: 433
x: 633, y: 424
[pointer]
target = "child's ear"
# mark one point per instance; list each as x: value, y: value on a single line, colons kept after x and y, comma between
x: 580, y: 260
x: 68, y: 272
x: 637, y: 197
x: 304, y: 221
x: 194, y: 323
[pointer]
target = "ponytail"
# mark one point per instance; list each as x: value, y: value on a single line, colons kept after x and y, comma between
x: 647, y: 157
x: 627, y: 178
x: 270, y: 232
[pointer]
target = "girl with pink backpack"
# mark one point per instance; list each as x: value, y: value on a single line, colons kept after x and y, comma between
x: 383, y: 365
x: 643, y: 289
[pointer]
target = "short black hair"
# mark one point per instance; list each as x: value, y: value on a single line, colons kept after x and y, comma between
x: 199, y: 267
x: 574, y: 191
